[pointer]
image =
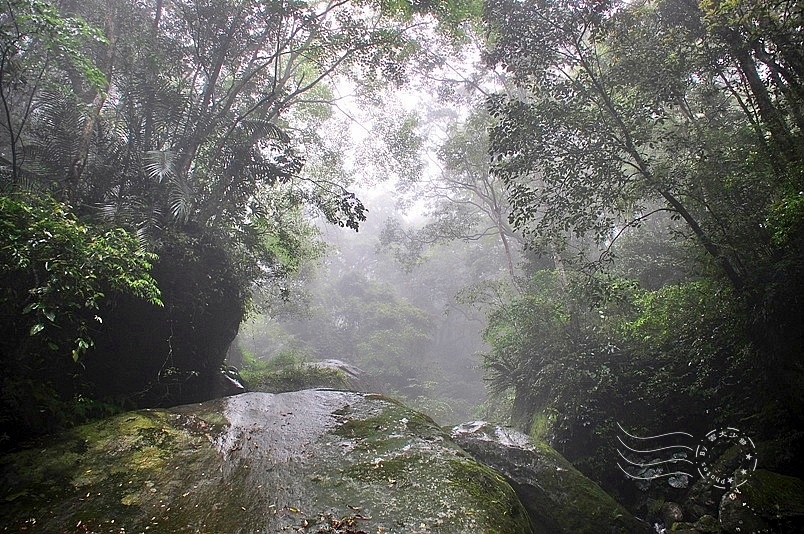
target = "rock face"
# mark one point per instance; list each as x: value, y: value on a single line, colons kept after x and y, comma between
x: 179, y: 359
x: 355, y: 379
x: 306, y: 461
x: 765, y: 502
x: 558, y: 497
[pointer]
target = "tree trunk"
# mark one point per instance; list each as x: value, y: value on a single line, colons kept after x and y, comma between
x: 771, y: 116
x: 79, y: 162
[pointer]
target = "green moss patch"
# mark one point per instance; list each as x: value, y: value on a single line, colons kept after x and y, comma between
x: 385, y: 429
x: 389, y: 471
x: 295, y: 378
x: 493, y: 497
x: 772, y: 495
x: 115, y: 471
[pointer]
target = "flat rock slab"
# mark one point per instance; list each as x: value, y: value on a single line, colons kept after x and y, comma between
x: 306, y: 461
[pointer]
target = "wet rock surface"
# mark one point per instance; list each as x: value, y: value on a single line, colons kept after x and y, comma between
x: 671, y: 512
x: 557, y: 496
x: 306, y: 461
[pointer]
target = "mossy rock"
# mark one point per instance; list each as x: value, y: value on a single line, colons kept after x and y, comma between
x: 296, y: 378
x: 307, y: 461
x: 297, y: 375
x: 707, y: 524
x: 764, y: 501
x: 557, y: 496
x: 684, y: 528
x: 773, y: 495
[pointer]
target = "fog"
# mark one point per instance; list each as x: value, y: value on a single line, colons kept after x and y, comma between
x: 404, y: 325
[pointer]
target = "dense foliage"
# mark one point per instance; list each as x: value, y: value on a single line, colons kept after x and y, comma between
x: 652, y: 154
x: 56, y: 273
x: 189, y: 124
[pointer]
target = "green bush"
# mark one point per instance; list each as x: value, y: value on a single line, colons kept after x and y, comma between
x: 55, y: 271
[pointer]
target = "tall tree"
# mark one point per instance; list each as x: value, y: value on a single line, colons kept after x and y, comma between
x: 624, y: 111
x: 464, y: 201
x: 38, y: 47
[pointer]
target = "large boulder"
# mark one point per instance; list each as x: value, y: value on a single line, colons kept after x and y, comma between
x: 295, y: 376
x: 162, y: 356
x: 559, y: 499
x: 764, y: 501
x: 354, y: 378
x: 305, y: 461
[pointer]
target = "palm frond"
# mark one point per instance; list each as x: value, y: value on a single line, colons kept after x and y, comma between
x: 52, y: 139
x: 264, y: 129
x: 109, y: 210
x: 159, y: 164
x: 181, y: 199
